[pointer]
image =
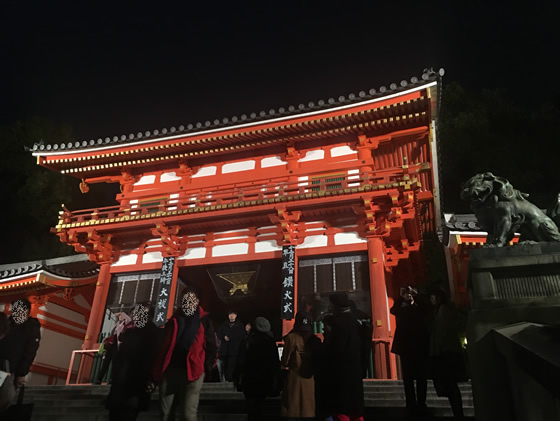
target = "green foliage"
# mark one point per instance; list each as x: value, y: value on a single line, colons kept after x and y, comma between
x: 490, y: 131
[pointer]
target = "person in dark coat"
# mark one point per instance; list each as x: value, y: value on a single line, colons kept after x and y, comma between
x: 18, y: 349
x: 257, y: 372
x: 411, y: 343
x: 323, y: 390
x: 132, y: 366
x: 344, y: 358
x: 230, y: 334
x: 20, y: 346
x: 446, y: 355
x: 6, y: 387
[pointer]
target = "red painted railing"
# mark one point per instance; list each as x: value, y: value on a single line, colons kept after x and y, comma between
x: 240, y: 194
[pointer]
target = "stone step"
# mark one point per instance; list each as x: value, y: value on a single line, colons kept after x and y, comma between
x: 220, y: 401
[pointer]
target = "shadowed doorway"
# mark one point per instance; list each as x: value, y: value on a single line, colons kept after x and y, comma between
x: 250, y: 288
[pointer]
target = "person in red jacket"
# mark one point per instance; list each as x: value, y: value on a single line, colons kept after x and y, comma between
x: 188, y: 351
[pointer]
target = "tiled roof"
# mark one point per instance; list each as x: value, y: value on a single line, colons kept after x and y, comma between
x: 77, y: 266
x: 463, y: 222
x: 428, y: 75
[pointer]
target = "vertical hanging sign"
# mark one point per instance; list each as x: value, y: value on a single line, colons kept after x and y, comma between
x: 163, y: 297
x: 288, y: 280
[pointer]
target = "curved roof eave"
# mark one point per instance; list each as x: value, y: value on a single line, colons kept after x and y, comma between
x: 95, y: 148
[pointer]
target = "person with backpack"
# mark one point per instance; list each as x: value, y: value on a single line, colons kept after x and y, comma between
x: 298, y: 394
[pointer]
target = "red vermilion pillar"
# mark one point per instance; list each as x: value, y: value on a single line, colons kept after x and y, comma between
x: 98, y: 306
x: 384, y: 361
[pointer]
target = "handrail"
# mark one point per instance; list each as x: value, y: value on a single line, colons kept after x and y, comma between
x: 79, y: 373
x: 265, y: 188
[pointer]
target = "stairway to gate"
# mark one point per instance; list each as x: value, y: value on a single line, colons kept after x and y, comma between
x: 384, y: 400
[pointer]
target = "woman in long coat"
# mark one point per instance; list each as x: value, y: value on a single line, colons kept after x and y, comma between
x: 132, y: 365
x: 298, y: 394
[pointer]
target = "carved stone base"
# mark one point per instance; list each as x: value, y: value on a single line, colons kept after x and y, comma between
x: 515, y: 295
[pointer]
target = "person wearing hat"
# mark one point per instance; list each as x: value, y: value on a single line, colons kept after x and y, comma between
x: 230, y: 334
x: 344, y: 359
x: 257, y: 369
x: 298, y: 394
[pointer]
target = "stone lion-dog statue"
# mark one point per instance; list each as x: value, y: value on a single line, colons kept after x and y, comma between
x: 502, y: 211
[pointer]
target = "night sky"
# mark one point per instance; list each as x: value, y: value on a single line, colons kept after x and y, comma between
x: 121, y: 67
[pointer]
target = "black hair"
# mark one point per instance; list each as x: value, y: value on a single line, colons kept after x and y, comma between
x: 24, y: 301
x: 190, y: 288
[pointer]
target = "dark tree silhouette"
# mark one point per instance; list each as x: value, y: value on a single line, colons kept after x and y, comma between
x: 493, y: 131
x: 32, y: 195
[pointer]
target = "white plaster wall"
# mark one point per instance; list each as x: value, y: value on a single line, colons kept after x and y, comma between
x: 146, y: 179
x: 232, y: 231
x: 230, y: 250
x: 314, y: 241
x: 342, y: 151
x: 82, y: 302
x: 152, y: 257
x: 128, y: 259
x: 56, y: 349
x: 266, y: 246
x: 303, y: 181
x: 174, y: 198
x: 313, y: 155
x: 244, y: 237
x: 66, y: 313
x: 205, y: 172
x: 272, y: 161
x: 238, y: 166
x: 193, y: 253
x: 169, y: 176
x: 341, y: 238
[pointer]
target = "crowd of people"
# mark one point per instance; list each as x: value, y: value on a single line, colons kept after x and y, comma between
x: 316, y: 378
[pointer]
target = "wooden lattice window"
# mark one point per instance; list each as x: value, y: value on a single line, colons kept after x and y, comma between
x: 152, y: 204
x: 328, y: 181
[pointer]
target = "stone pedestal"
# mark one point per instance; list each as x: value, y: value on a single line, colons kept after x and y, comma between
x: 515, y: 296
